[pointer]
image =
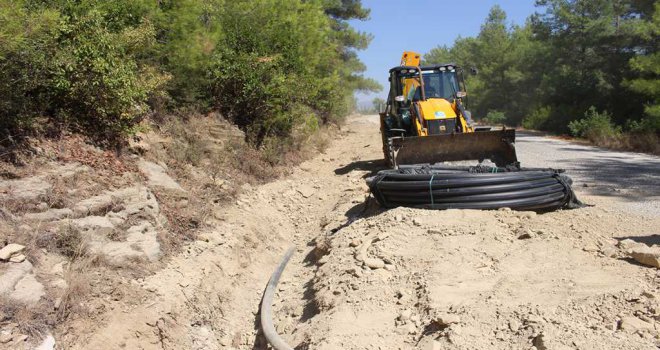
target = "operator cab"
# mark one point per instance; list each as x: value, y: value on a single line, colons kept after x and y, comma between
x: 424, y: 100
x: 441, y: 82
x: 438, y: 81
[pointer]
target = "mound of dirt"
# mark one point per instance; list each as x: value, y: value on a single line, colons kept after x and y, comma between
x: 412, y: 278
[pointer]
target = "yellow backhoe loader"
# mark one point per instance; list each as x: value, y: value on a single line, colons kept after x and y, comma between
x: 425, y: 120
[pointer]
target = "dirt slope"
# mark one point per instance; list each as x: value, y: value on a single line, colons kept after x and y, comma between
x: 208, y: 297
x: 363, y: 278
x: 452, y: 279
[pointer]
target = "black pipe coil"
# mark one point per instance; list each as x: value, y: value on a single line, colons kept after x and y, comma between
x: 477, y: 187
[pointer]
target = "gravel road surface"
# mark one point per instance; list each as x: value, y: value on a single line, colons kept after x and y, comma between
x: 633, y: 177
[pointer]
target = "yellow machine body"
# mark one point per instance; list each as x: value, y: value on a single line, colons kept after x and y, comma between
x: 438, y: 109
x: 433, y: 108
x: 410, y: 58
x: 426, y: 120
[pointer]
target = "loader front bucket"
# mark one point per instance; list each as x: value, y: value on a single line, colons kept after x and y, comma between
x: 498, y: 146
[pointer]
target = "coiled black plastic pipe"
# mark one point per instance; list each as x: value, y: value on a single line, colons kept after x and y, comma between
x: 474, y: 188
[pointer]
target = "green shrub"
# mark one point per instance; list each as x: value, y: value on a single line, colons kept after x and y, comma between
x: 595, y: 126
x: 270, y: 81
x: 99, y: 85
x: 276, y: 68
x: 75, y: 68
x: 649, y: 123
x: 253, y: 94
x: 27, y: 41
x: 495, y: 117
x: 537, y: 119
x: 186, y: 47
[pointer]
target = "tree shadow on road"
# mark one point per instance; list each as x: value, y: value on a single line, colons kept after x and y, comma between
x: 372, y: 166
x: 613, y: 176
x: 596, y: 170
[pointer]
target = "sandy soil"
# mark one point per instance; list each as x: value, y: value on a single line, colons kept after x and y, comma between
x: 365, y: 278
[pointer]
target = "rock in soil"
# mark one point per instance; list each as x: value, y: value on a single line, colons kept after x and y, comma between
x: 17, y: 258
x: 5, y: 338
x: 10, y: 249
x: 609, y: 252
x: 49, y: 215
x: 646, y: 255
x: 28, y: 290
x: 158, y: 177
x: 633, y: 324
x: 374, y: 263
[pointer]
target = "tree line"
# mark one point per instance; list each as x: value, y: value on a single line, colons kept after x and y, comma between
x: 588, y: 67
x: 272, y: 67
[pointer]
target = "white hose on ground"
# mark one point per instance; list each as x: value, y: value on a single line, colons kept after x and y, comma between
x: 267, y: 326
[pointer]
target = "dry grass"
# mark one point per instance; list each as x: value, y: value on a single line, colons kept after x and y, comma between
x: 60, y: 195
x: 218, y: 149
x: 323, y: 141
x: 215, y: 147
x: 210, y: 159
x: 65, y: 240
x: 34, y: 321
x: 70, y: 242
x: 185, y: 218
x: 78, y: 288
x: 202, y: 153
x: 64, y: 191
x: 644, y: 142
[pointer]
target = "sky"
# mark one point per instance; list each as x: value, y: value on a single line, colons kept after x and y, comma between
x: 420, y: 25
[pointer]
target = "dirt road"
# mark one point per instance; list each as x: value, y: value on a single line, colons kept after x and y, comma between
x: 363, y: 278
x: 633, y: 178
